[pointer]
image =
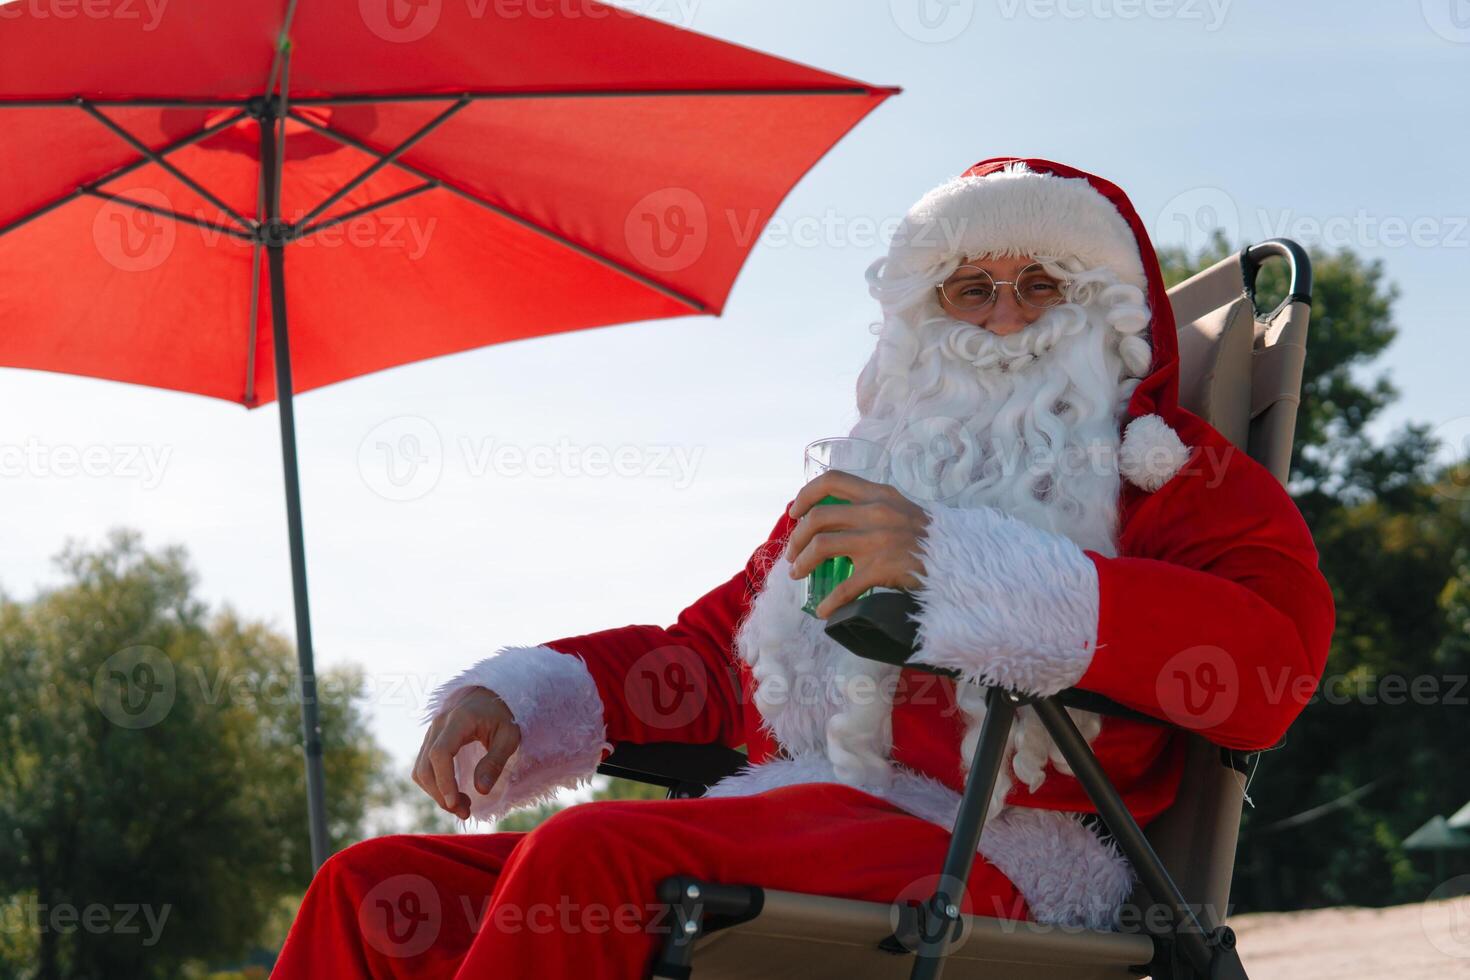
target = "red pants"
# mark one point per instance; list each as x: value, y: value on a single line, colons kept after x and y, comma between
x: 575, y: 897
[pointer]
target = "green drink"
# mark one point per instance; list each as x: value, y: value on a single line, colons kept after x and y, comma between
x: 831, y: 573
x: 860, y: 458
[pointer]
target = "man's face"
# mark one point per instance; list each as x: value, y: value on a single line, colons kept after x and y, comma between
x: 1005, y: 314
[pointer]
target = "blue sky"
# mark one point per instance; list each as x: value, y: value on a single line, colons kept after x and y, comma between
x: 1342, y: 121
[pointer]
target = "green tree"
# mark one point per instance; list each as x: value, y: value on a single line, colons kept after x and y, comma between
x: 1373, y: 756
x: 151, y: 800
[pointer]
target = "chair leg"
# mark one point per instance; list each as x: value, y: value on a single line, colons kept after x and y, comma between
x: 939, y: 919
x: 1208, y: 948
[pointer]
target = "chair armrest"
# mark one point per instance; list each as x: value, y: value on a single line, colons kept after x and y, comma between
x: 882, y: 626
x: 685, y: 770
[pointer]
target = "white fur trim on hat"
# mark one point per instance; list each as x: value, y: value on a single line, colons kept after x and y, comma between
x: 1151, y: 453
x: 1003, y: 602
x: 559, y: 712
x: 1013, y: 212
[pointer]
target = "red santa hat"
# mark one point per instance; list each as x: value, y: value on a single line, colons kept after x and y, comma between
x: 1010, y: 206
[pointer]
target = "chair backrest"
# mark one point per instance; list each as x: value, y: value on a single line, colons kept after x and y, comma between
x: 1242, y: 374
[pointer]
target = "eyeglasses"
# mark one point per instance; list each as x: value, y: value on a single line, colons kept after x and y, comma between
x: 972, y: 288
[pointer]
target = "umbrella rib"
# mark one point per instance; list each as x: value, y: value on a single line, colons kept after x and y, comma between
x: 152, y: 155
x: 283, y: 42
x: 124, y: 170
x: 611, y: 263
x: 207, y: 103
x: 249, y: 398
x: 44, y: 209
x: 606, y: 93
x: 166, y: 213
x: 373, y: 206
x: 383, y: 160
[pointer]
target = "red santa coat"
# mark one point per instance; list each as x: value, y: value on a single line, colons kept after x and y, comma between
x: 1212, y: 613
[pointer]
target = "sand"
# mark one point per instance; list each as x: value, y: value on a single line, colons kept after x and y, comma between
x: 1431, y: 939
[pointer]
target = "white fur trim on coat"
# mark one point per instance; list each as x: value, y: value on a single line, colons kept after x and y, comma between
x: 1003, y: 602
x: 1151, y: 453
x: 1015, y: 211
x: 814, y: 695
x: 559, y: 712
x: 1065, y: 872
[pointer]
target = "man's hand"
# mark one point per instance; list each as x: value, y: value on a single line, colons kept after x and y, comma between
x: 480, y: 716
x: 879, y: 530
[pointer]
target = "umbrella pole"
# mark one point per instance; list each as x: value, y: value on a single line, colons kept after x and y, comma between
x: 275, y: 250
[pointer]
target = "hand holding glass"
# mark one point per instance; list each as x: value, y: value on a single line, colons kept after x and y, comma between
x: 860, y: 458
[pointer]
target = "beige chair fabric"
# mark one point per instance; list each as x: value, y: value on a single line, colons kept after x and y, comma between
x: 1243, y: 376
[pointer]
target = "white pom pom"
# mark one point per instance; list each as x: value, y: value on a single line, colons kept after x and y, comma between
x: 1151, y: 453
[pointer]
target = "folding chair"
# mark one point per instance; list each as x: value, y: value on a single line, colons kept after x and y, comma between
x: 1242, y: 373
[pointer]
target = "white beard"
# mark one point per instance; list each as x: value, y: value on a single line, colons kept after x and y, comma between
x: 1028, y: 424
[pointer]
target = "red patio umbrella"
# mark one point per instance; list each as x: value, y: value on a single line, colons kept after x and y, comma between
x: 496, y: 170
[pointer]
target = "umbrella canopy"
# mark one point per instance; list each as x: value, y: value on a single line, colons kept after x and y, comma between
x: 427, y: 176
x: 556, y: 165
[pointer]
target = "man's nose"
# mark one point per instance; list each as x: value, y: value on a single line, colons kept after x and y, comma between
x: 1007, y: 316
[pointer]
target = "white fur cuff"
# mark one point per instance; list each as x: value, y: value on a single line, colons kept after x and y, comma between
x: 1005, y: 603
x: 559, y: 712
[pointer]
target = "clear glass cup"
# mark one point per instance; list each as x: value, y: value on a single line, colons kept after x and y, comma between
x: 860, y: 457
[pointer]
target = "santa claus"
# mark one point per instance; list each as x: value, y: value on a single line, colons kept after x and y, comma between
x: 1061, y: 522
